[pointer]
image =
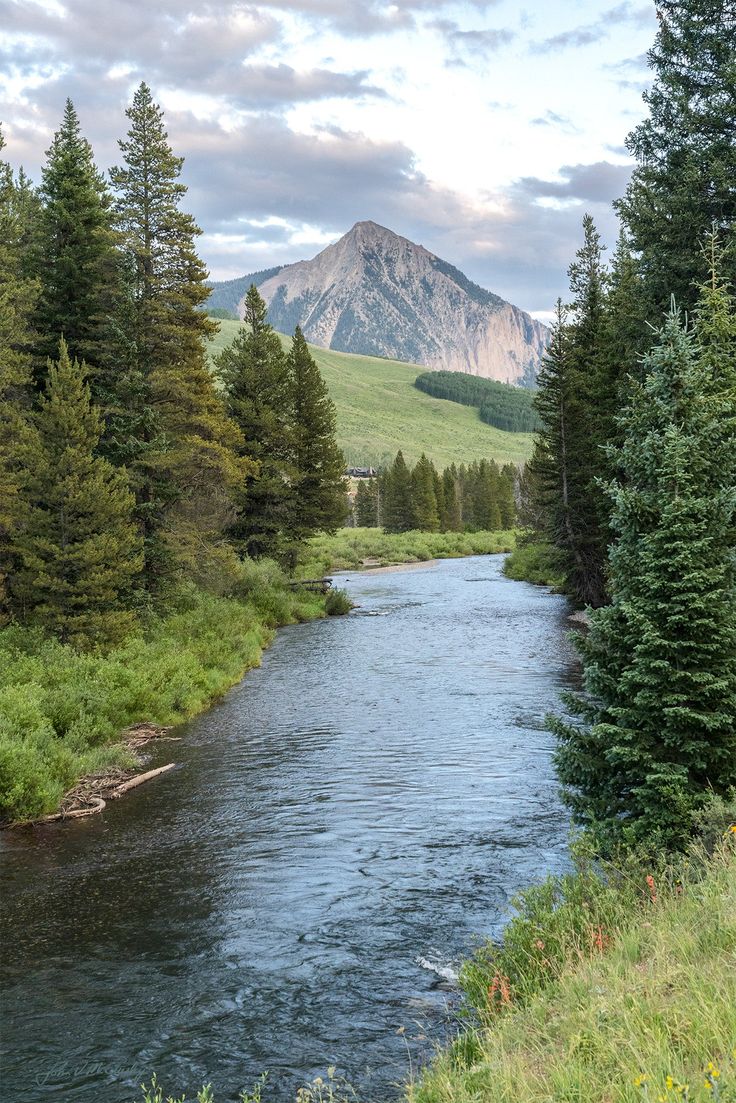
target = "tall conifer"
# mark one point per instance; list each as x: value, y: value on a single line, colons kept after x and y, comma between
x: 257, y: 384
x: 76, y: 260
x: 685, y: 175
x: 659, y: 720
x: 78, y: 551
x: 18, y: 296
x: 318, y: 488
x: 171, y: 429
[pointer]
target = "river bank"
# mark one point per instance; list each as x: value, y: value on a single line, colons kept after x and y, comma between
x: 352, y: 549
x: 65, y: 715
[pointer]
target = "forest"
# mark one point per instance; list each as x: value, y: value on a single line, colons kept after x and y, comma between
x: 499, y: 404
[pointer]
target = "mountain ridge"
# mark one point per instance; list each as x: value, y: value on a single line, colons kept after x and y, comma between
x: 376, y: 293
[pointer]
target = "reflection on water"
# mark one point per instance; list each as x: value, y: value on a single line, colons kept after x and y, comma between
x: 344, y: 827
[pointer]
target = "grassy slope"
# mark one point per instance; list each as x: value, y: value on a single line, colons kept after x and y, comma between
x: 347, y: 549
x: 658, y: 1003
x: 379, y: 410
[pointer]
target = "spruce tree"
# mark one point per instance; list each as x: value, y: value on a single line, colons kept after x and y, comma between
x: 366, y: 503
x: 658, y: 730
x: 18, y: 296
x: 170, y: 428
x: 424, y: 514
x: 453, y: 521
x: 589, y: 397
x: 258, y: 389
x: 685, y: 151
x: 397, y: 513
x: 507, y: 496
x: 78, y: 551
x: 318, y: 488
x: 76, y: 260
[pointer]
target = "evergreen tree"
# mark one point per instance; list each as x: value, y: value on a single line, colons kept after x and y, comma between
x: 366, y: 503
x: 658, y: 729
x: 170, y: 428
x: 590, y: 397
x: 453, y: 518
x: 424, y: 514
x: 17, y: 300
x: 684, y: 180
x: 258, y: 387
x: 78, y: 551
x: 507, y: 496
x: 397, y: 513
x: 75, y: 259
x: 318, y: 501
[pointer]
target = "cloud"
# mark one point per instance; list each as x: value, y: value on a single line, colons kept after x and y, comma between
x: 367, y: 17
x: 558, y: 122
x: 588, y: 33
x: 480, y: 43
x: 599, y: 182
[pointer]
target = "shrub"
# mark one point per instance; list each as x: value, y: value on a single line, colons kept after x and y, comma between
x: 337, y: 603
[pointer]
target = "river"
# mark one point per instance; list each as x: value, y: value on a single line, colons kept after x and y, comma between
x: 345, y: 825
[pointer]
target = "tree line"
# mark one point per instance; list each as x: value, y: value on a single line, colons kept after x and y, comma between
x: 477, y: 496
x: 633, y: 480
x: 126, y: 465
x: 499, y: 404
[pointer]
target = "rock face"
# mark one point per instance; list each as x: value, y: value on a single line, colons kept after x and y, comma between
x: 376, y: 293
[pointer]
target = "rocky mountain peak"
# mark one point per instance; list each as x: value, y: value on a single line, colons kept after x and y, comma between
x: 379, y: 294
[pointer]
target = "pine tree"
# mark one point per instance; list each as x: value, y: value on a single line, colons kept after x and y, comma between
x: 318, y: 489
x: 257, y: 382
x: 170, y: 428
x: 366, y: 503
x: 452, y: 500
x: 76, y: 261
x: 658, y: 729
x: 506, y: 496
x: 590, y: 396
x: 78, y: 551
x: 683, y: 182
x: 17, y: 301
x: 424, y: 515
x: 397, y: 514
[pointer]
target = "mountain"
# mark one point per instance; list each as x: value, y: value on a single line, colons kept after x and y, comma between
x: 375, y: 293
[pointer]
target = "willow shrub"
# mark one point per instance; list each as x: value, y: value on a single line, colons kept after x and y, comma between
x: 61, y: 710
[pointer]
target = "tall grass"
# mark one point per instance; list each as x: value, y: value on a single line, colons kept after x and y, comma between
x: 614, y: 984
x: 61, y: 711
x: 354, y: 548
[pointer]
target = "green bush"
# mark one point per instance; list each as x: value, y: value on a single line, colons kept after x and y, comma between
x: 538, y: 563
x: 337, y: 603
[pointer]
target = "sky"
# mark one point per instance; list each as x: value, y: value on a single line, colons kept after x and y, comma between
x: 483, y: 130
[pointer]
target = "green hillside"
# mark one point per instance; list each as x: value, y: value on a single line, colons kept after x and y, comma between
x: 379, y: 410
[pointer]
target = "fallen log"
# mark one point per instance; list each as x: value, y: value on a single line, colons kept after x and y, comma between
x: 139, y: 779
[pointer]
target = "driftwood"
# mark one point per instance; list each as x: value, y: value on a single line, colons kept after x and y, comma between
x: 81, y: 802
x: 139, y: 779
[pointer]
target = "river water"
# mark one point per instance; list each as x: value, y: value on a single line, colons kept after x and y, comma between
x: 344, y: 827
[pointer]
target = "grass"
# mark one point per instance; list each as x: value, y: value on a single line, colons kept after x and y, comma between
x: 61, y: 712
x: 605, y: 989
x: 535, y: 563
x: 348, y: 549
x: 379, y: 411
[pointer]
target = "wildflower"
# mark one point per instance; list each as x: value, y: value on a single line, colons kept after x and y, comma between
x: 539, y: 944
x: 499, y: 990
x: 730, y: 830
x: 640, y: 1081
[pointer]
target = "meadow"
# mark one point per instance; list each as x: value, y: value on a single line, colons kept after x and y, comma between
x: 379, y: 411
